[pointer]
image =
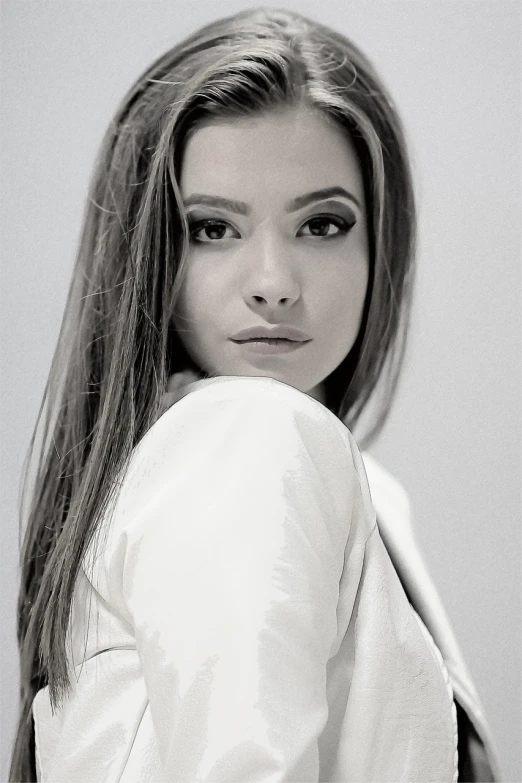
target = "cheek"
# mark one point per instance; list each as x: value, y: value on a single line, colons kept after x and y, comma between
x: 188, y: 308
x: 341, y: 290
x: 344, y: 317
x: 193, y: 295
x: 205, y: 285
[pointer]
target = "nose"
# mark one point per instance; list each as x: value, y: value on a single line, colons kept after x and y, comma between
x: 271, y: 279
x: 271, y: 302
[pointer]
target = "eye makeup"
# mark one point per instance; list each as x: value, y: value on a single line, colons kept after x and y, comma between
x: 340, y: 223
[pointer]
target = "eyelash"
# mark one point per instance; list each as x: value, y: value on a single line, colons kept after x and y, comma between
x: 340, y: 223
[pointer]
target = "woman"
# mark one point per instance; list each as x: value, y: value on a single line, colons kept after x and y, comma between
x: 257, y: 608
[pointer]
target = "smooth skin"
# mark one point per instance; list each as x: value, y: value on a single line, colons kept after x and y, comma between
x: 307, y: 268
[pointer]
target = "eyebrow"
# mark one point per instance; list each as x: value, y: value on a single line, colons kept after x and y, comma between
x: 292, y: 206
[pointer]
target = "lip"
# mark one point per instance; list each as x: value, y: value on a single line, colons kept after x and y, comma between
x: 285, y: 332
x: 268, y: 348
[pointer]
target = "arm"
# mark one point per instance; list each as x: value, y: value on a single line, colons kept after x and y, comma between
x: 231, y: 578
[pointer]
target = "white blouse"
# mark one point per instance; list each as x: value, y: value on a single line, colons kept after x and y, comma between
x: 243, y: 620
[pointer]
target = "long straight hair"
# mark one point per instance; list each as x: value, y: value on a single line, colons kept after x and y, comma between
x: 117, y: 346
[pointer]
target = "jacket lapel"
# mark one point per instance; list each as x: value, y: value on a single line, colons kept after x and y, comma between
x: 393, y: 518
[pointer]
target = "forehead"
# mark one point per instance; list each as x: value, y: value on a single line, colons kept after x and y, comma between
x: 280, y: 150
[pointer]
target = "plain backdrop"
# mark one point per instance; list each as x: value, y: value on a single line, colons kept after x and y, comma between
x: 454, y: 436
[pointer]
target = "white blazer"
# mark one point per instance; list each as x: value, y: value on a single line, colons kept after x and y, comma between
x: 247, y: 621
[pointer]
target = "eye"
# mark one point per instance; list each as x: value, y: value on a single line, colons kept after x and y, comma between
x: 198, y: 225
x: 329, y: 220
x: 338, y: 222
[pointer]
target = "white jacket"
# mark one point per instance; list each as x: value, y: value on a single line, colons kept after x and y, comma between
x: 247, y: 622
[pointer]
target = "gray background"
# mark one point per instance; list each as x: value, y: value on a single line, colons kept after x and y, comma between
x: 454, y: 437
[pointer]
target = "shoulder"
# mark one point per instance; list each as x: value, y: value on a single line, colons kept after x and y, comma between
x: 260, y: 390
x: 264, y: 406
x: 224, y: 424
x: 256, y: 400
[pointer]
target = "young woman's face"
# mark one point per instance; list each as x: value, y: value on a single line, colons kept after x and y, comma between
x: 272, y: 264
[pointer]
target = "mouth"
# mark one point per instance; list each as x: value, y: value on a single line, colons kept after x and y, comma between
x: 267, y: 347
x: 269, y: 340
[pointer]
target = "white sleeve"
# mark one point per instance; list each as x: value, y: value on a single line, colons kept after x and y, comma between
x: 231, y: 579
